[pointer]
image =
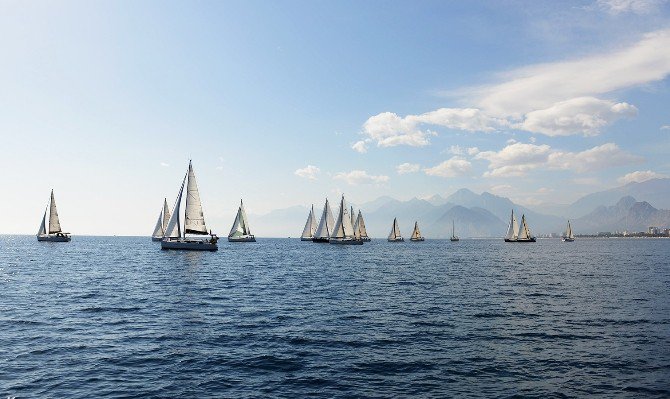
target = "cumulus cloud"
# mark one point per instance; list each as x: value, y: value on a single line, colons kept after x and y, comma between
x: 633, y: 6
x: 519, y: 158
x: 665, y: 127
x: 388, y: 130
x: 356, y: 177
x: 640, y: 176
x: 360, y: 147
x: 501, y: 188
x: 309, y: 172
x: 456, y: 166
x: 473, y: 151
x: 407, y: 168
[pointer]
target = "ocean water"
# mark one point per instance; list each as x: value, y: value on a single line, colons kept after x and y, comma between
x: 117, y: 317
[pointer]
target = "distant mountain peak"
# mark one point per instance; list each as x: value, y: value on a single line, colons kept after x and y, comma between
x: 626, y: 202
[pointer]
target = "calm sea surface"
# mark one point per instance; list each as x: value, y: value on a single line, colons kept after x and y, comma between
x: 118, y: 317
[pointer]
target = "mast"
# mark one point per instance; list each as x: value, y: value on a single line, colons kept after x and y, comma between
x: 453, y: 229
x: 194, y: 220
x: 173, y: 229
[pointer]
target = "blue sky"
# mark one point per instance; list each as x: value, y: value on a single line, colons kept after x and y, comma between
x: 539, y: 101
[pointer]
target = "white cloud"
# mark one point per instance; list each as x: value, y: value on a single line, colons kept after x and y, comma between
x: 407, y: 168
x: 640, y: 176
x: 501, y: 188
x: 360, y: 147
x: 519, y: 158
x: 473, y: 151
x: 164, y: 164
x: 456, y: 166
x: 356, y: 177
x: 582, y: 115
x: 309, y: 172
x: 544, y: 190
x: 634, y: 6
x: 455, y: 150
x: 665, y: 127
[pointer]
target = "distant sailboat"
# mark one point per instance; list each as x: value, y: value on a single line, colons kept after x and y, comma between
x: 310, y: 227
x: 194, y: 220
x: 161, y: 223
x: 569, y: 236
x: 241, y: 232
x: 395, y: 235
x: 343, y: 232
x: 524, y: 232
x: 454, y: 237
x: 53, y: 231
x: 512, y: 229
x: 326, y: 225
x: 359, y: 226
x: 416, y: 233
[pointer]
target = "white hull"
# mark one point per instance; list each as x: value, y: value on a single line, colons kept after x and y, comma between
x: 54, y: 238
x: 242, y: 239
x: 345, y: 241
x: 190, y: 245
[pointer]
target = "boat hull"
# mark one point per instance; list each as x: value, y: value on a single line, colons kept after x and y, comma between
x: 366, y: 239
x: 454, y: 239
x: 53, y: 238
x: 396, y: 240
x: 319, y: 239
x: 242, y: 239
x: 346, y: 242
x: 156, y: 238
x: 566, y: 239
x: 509, y: 240
x: 417, y: 239
x: 306, y: 239
x: 190, y: 245
x: 532, y: 239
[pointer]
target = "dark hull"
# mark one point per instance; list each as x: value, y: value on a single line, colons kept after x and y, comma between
x: 565, y: 239
x: 457, y: 239
x: 156, y: 238
x: 526, y: 240
x: 54, y: 238
x: 366, y: 239
x: 190, y: 245
x: 306, y: 239
x: 346, y: 242
x: 417, y: 239
x: 320, y: 239
x: 396, y: 240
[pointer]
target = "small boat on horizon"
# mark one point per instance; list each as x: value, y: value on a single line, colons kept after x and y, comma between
x: 569, y: 236
x: 395, y: 235
x: 241, y: 232
x: 416, y: 233
x: 53, y: 231
x: 194, y: 221
x: 343, y: 232
x: 161, y: 223
x: 454, y: 237
x: 326, y: 225
x: 310, y: 227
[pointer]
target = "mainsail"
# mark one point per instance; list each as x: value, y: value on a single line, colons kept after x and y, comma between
x: 194, y: 220
x: 54, y: 223
x: 353, y: 218
x: 343, y: 227
x: 513, y: 228
x: 158, y: 230
x: 395, y: 230
x: 241, y: 225
x: 568, y: 232
x: 310, y: 225
x: 416, y: 233
x: 524, y: 232
x: 173, y: 229
x: 360, y: 226
x: 326, y: 223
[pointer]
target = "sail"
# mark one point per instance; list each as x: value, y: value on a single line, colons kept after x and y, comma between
x: 174, y: 225
x: 245, y: 221
x: 524, y: 232
x: 158, y: 229
x: 326, y: 223
x: 513, y: 228
x: 166, y: 215
x: 416, y: 233
x: 453, y: 229
x: 568, y: 232
x: 310, y: 225
x: 43, y: 226
x: 343, y: 227
x: 240, y: 225
x: 360, y: 225
x: 194, y: 220
x: 395, y: 230
x: 353, y: 218
x: 54, y: 223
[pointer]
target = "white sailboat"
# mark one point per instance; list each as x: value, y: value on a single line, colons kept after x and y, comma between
x: 395, y: 235
x: 569, y: 236
x: 524, y: 232
x: 512, y: 229
x: 326, y: 225
x: 161, y: 223
x: 52, y: 232
x: 310, y: 227
x: 416, y: 233
x: 343, y: 232
x: 241, y: 232
x: 359, y: 226
x: 454, y: 237
x: 194, y: 221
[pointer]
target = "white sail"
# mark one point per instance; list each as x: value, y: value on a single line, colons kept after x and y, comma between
x: 173, y: 229
x: 568, y: 232
x: 395, y: 230
x: 43, y: 226
x: 166, y: 214
x: 54, y: 223
x: 326, y: 223
x: 513, y: 228
x: 353, y: 217
x: 360, y: 225
x: 310, y: 225
x: 524, y: 232
x: 416, y: 233
x: 194, y: 220
x: 158, y: 229
x: 240, y: 225
x: 453, y: 229
x: 343, y: 227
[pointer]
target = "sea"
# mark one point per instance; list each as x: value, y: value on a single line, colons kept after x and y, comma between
x: 117, y: 317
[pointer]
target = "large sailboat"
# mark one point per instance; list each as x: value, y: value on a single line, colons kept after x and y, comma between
x: 395, y: 235
x: 343, y: 232
x: 512, y: 229
x: 524, y: 232
x: 161, y: 223
x: 416, y: 233
x: 241, y: 232
x: 326, y: 225
x: 310, y: 227
x: 359, y: 226
x: 569, y: 236
x: 454, y: 237
x: 194, y: 221
x: 52, y: 232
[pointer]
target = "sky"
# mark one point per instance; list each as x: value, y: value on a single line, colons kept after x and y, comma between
x: 285, y: 103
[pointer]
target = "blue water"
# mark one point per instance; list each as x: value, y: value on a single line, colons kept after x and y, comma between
x: 118, y: 317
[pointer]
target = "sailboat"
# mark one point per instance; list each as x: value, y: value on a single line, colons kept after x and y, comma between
x: 310, y: 227
x: 512, y: 229
x: 343, y: 232
x: 524, y: 232
x: 454, y: 237
x: 161, y: 223
x: 194, y: 221
x: 569, y: 236
x: 240, y: 232
x: 53, y: 231
x: 416, y: 233
x: 326, y: 225
x: 359, y: 226
x: 395, y: 235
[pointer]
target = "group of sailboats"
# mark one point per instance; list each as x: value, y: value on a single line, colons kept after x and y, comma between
x: 518, y: 233
x: 346, y: 230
